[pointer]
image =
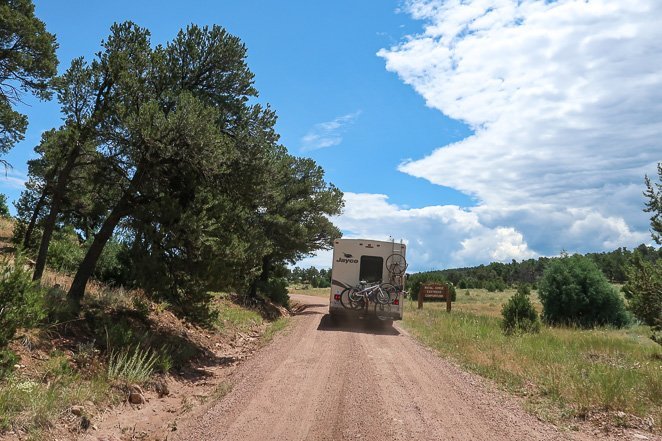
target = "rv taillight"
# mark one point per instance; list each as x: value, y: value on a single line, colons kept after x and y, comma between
x: 336, y: 297
x: 396, y: 301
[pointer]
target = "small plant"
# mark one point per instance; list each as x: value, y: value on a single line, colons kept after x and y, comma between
x: 519, y: 315
x: 164, y: 362
x: 141, y: 306
x: 573, y: 291
x: 132, y: 367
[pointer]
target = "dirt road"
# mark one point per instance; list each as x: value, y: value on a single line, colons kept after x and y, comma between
x: 356, y: 382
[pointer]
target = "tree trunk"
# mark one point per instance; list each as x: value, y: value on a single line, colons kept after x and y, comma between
x: 49, y: 226
x: 33, y: 220
x: 56, y: 204
x: 263, y: 278
x: 86, y: 267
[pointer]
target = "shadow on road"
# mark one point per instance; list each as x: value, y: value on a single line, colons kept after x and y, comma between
x: 305, y: 308
x: 362, y: 326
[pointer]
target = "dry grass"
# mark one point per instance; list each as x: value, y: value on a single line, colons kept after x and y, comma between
x: 483, y: 302
x: 6, y: 229
x: 309, y: 291
x: 563, y: 372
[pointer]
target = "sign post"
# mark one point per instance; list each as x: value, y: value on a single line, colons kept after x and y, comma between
x: 434, y: 291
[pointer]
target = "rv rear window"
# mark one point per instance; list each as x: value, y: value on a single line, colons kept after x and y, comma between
x: 371, y: 269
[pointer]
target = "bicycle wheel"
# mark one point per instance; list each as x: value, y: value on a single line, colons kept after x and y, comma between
x: 383, y: 311
x: 380, y: 295
x: 347, y: 299
x: 390, y: 291
x: 396, y: 264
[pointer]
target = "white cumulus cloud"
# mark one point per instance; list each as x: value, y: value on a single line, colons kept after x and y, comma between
x: 436, y: 236
x: 565, y: 100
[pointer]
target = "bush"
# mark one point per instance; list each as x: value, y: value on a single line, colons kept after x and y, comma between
x: 574, y: 291
x: 518, y: 313
x: 21, y: 300
x: 644, y: 292
x: 4, y: 209
x: 7, y: 361
x: 21, y: 305
x: 64, y: 251
x: 275, y: 289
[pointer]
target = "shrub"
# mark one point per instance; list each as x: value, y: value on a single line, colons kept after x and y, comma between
x: 64, y: 251
x: 4, y: 209
x: 112, y: 266
x: 574, y: 291
x: 644, y: 292
x: 518, y: 313
x: 275, y: 289
x: 21, y: 300
x: 7, y: 361
x: 21, y: 305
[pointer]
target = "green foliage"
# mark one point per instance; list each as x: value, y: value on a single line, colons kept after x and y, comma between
x: 654, y: 204
x: 519, y: 315
x: 4, y: 209
x: 644, y: 293
x: 573, y: 291
x: 65, y: 254
x: 21, y: 300
x: 275, y: 289
x: 186, y: 166
x: 414, y: 282
x: 7, y: 361
x: 27, y: 62
x: 65, y: 251
x: 311, y: 276
x: 132, y: 366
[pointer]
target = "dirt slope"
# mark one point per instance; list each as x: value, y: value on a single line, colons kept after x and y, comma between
x: 353, y: 381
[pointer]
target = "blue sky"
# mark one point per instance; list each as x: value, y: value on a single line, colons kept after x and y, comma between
x: 477, y: 130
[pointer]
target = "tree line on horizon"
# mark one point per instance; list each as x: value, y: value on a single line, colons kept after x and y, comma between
x: 497, y: 276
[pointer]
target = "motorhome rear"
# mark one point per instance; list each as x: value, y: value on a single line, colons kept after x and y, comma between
x: 356, y: 260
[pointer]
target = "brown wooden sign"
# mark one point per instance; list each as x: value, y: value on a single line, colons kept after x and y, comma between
x: 435, y: 291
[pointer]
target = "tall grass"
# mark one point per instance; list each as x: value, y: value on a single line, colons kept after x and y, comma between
x: 581, y: 370
x: 132, y: 367
x: 33, y: 405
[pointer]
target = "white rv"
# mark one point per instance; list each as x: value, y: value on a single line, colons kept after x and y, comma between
x: 363, y: 260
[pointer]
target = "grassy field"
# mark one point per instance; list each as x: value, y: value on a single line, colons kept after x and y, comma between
x: 563, y: 372
x: 309, y: 291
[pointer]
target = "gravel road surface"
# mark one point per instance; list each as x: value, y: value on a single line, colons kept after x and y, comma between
x: 354, y: 381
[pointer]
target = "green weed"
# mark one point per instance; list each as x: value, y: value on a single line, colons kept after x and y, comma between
x: 132, y: 367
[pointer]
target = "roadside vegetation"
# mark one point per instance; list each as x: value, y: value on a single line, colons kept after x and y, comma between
x: 59, y: 375
x: 562, y: 371
x: 577, y: 347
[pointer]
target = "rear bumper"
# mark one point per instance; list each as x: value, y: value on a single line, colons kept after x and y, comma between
x: 339, y: 311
